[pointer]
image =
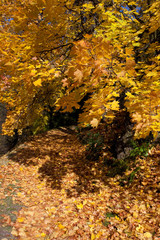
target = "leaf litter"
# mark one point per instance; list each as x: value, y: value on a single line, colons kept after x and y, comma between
x: 66, y: 196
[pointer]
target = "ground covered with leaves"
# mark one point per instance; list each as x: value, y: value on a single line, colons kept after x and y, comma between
x: 49, y: 190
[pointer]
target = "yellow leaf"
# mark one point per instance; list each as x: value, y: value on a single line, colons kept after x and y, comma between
x: 37, y: 83
x: 8, y: 64
x: 61, y: 226
x: 116, y: 217
x: 115, y: 105
x: 148, y: 235
x: 148, y: 206
x: 33, y: 72
x: 137, y: 38
x: 135, y: 214
x: 80, y: 206
x: 152, y: 74
x: 131, y: 3
x: 93, y: 236
x: 98, y: 235
x: 43, y: 234
x: 52, y: 70
x: 28, y: 47
x: 20, y: 219
x: 88, y: 6
x: 84, y: 202
x: 139, y: 228
x: 5, y: 53
x: 136, y: 44
x: 91, y: 226
x: 19, y: 194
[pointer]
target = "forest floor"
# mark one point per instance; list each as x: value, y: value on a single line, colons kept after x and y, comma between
x: 50, y: 191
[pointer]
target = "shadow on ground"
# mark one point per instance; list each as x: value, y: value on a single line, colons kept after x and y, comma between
x: 61, y: 157
x: 59, y: 153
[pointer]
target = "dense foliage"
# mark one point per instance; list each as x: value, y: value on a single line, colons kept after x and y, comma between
x: 54, y: 53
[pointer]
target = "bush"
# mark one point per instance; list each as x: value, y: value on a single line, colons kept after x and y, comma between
x: 139, y: 149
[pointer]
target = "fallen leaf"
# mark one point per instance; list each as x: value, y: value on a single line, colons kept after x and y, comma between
x: 14, y: 232
x: 20, y: 219
x: 148, y: 235
x: 80, y: 206
x: 43, y: 234
x: 61, y: 226
x: 93, y: 236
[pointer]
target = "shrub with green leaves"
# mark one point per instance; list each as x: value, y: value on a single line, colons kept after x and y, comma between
x: 139, y: 150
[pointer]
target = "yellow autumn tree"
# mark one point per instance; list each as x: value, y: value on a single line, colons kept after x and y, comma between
x: 54, y: 53
x: 121, y: 56
x: 30, y: 79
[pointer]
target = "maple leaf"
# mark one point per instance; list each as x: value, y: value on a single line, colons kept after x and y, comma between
x: 65, y: 82
x: 78, y: 75
x: 94, y: 122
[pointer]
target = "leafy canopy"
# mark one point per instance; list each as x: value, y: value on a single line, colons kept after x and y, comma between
x: 54, y: 53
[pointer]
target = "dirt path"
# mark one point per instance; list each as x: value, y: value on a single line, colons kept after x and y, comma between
x: 50, y: 191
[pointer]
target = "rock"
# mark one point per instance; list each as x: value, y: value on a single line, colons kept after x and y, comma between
x: 124, y: 146
x: 125, y: 153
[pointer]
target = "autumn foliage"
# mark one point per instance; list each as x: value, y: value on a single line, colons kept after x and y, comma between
x: 53, y: 53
